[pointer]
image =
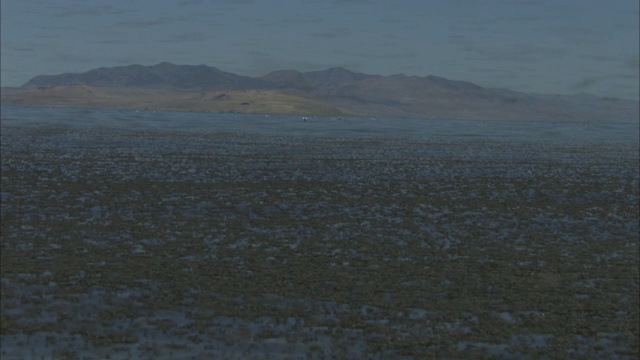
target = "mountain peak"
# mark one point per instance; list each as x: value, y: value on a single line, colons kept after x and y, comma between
x: 165, y: 64
x: 453, y: 84
x: 331, y: 77
x: 161, y: 75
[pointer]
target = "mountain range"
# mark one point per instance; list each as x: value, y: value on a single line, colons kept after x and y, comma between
x: 334, y: 91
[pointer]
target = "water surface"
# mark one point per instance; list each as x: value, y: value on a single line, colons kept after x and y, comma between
x: 178, y: 235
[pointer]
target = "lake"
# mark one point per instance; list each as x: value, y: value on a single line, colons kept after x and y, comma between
x: 184, y: 235
x: 321, y: 126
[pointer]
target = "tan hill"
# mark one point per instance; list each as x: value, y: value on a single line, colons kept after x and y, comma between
x: 235, y: 101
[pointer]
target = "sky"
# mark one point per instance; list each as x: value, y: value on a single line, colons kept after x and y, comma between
x: 540, y: 46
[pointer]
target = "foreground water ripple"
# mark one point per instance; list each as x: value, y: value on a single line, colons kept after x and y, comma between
x: 157, y: 243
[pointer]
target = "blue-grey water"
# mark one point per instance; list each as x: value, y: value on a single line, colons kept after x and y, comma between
x: 167, y: 235
x: 322, y: 126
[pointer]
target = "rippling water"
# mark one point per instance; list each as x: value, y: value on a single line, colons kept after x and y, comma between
x: 181, y: 235
x: 323, y: 126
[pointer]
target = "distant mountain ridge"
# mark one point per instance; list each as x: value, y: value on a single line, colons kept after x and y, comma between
x: 162, y: 75
x: 368, y: 95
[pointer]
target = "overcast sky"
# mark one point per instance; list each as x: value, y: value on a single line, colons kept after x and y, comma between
x: 554, y: 46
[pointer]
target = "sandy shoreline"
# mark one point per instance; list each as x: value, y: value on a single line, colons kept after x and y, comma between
x: 160, y: 245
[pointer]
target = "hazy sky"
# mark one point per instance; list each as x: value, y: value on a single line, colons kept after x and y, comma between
x: 554, y: 46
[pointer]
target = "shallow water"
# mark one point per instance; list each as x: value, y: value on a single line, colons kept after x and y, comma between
x: 174, y: 235
x: 323, y: 126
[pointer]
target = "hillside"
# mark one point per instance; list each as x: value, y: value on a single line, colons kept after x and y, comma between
x: 234, y: 101
x: 334, y: 91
